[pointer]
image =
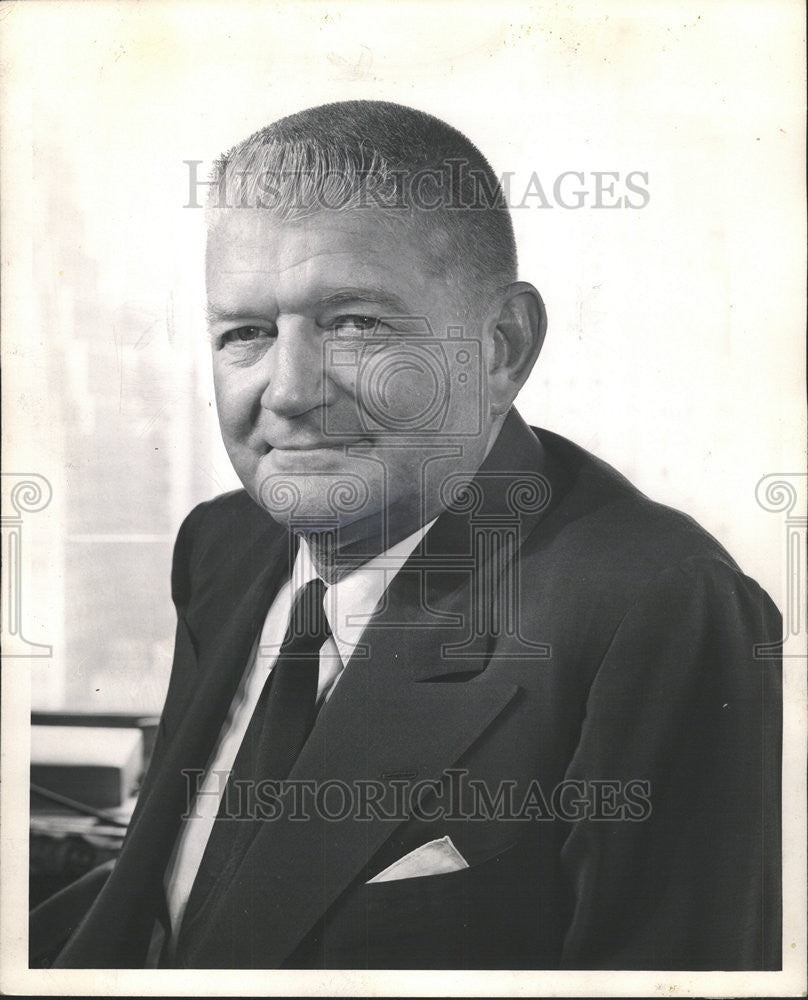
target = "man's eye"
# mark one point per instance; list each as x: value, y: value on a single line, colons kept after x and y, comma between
x: 247, y: 334
x: 349, y: 326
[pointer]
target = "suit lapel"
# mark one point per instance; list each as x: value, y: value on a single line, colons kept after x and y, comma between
x: 220, y: 668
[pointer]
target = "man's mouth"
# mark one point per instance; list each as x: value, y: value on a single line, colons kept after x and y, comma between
x: 301, y: 447
x: 330, y: 444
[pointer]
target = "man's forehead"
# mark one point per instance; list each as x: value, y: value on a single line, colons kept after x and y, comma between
x: 358, y: 229
x: 252, y: 254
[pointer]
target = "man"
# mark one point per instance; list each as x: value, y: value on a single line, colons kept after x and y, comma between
x: 448, y: 692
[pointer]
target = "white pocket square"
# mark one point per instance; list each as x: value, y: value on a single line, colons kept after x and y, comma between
x: 435, y: 858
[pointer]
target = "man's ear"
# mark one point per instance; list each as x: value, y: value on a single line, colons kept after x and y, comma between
x: 518, y: 336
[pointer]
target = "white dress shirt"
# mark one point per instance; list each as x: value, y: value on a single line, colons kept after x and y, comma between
x: 349, y: 605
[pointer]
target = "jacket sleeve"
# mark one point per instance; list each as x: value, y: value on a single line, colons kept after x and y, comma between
x: 682, y: 708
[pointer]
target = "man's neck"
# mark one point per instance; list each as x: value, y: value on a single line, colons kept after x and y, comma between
x: 337, y: 553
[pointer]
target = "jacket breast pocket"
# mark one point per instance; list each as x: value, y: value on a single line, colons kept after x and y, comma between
x: 477, y: 917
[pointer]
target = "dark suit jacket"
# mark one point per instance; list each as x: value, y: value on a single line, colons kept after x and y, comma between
x: 618, y: 738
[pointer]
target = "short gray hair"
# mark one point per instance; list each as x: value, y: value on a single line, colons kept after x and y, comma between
x: 355, y: 154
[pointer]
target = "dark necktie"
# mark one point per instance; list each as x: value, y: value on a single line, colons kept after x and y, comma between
x: 281, y: 722
x: 285, y: 711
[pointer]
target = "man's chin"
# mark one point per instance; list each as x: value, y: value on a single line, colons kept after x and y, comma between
x: 313, y: 490
x: 313, y: 516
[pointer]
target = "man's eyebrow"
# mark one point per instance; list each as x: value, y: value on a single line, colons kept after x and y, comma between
x: 215, y: 314
x: 372, y: 296
x: 386, y: 301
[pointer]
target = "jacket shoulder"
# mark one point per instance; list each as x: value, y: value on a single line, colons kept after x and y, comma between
x: 219, y: 535
x: 603, y: 542
x: 604, y: 514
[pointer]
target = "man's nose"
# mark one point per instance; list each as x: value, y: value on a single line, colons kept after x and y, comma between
x: 295, y: 380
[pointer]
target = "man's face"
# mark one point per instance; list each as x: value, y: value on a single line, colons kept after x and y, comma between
x: 334, y: 402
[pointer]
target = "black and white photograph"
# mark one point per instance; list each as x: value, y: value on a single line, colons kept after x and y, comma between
x: 403, y: 498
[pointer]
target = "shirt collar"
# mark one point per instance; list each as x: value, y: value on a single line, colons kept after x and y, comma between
x: 349, y: 604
